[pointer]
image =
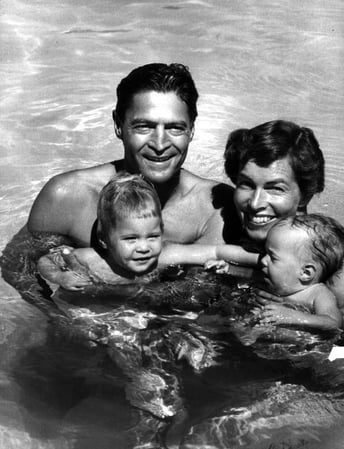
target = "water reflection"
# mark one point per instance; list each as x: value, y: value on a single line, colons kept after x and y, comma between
x: 186, y: 352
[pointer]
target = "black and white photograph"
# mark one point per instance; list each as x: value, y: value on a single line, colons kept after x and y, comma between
x: 172, y: 224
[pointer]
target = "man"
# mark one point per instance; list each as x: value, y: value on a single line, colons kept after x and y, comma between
x: 154, y: 118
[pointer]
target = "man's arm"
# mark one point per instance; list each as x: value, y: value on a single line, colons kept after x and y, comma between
x: 51, y: 211
x: 53, y: 268
x: 67, y: 204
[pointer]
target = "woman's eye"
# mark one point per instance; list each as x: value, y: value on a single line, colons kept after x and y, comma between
x: 245, y: 185
x: 276, y: 189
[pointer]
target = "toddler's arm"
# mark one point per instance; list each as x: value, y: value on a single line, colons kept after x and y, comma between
x: 197, y: 254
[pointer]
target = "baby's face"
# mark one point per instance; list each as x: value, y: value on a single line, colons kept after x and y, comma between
x: 135, y: 243
x: 285, y: 256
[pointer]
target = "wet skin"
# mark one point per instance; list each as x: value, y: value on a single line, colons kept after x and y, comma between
x: 134, y: 244
x: 265, y: 194
x: 156, y: 133
x: 285, y: 259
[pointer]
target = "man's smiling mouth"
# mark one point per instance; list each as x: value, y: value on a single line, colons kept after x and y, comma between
x: 158, y: 159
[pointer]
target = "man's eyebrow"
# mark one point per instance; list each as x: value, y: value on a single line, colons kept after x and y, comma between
x: 139, y: 121
x: 177, y: 123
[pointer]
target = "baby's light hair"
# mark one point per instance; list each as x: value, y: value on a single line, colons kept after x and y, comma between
x: 327, y: 240
x: 124, y: 195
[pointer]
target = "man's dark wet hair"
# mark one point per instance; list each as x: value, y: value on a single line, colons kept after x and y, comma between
x: 271, y: 141
x: 326, y: 240
x: 159, y: 78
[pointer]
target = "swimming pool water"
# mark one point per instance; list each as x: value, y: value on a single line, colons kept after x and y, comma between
x: 61, y: 62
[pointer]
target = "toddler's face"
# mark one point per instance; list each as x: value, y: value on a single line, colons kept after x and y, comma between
x: 135, y: 243
x: 285, y: 256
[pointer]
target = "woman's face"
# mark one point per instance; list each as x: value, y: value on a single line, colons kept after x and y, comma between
x: 265, y: 194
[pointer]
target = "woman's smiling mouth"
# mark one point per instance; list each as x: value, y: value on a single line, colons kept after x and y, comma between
x: 259, y: 220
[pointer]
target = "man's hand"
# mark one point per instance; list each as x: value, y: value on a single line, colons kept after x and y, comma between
x: 73, y: 281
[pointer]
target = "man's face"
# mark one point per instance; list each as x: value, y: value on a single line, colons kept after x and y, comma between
x: 156, y: 134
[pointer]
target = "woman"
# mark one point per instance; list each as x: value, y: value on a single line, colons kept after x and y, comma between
x: 276, y: 167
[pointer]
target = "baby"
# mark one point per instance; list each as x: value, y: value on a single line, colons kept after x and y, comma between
x: 302, y: 252
x: 130, y: 247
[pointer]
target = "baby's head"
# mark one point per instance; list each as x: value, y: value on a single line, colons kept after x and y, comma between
x: 301, y: 251
x: 130, y: 223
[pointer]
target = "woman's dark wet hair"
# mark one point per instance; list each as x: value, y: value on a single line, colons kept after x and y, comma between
x: 327, y: 240
x: 159, y: 78
x: 276, y: 140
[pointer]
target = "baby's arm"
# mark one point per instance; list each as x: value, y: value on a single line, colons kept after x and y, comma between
x: 197, y: 254
x: 326, y: 314
x: 53, y: 268
x: 326, y: 308
x: 336, y: 284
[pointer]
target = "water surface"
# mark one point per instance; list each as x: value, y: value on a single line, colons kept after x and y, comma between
x: 60, y: 64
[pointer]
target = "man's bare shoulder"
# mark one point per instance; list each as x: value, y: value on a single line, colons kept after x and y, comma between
x: 215, y: 194
x: 192, y: 180
x: 75, y: 181
x: 55, y: 206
